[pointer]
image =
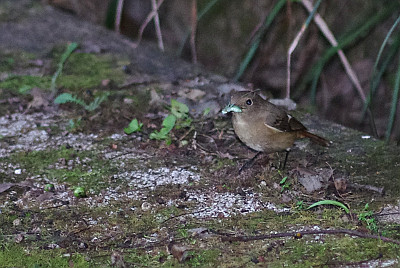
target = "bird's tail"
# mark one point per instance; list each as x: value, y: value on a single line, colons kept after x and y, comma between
x: 315, y: 138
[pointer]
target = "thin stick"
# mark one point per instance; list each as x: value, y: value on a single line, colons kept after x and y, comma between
x: 118, y: 15
x: 146, y: 21
x: 157, y: 24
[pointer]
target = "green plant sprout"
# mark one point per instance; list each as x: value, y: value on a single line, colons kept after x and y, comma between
x: 133, y: 126
x: 284, y: 183
x: 206, y: 111
x: 67, y: 97
x: 178, y: 118
x: 168, y: 124
x: 300, y: 205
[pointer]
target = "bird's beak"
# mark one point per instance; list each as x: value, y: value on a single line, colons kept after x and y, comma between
x: 231, y: 108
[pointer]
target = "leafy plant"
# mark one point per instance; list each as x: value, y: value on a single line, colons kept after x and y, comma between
x: 181, y: 112
x: 284, y: 183
x: 178, y: 118
x: 67, y: 97
x: 168, y: 124
x: 133, y: 126
x: 366, y: 217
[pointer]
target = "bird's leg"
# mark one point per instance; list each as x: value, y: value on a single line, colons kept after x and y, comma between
x: 249, y: 163
x: 286, y: 158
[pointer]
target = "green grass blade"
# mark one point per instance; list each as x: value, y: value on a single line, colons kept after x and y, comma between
x: 376, y: 76
x: 393, y: 109
x: 330, y: 202
x: 257, y: 39
x: 311, y: 16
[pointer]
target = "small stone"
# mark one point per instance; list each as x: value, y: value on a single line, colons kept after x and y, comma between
x: 83, y: 245
x: 146, y: 206
x: 19, y: 238
x: 18, y: 171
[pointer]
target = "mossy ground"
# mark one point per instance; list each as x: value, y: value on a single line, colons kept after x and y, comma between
x: 87, y: 231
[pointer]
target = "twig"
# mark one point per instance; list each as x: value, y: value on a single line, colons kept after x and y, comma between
x: 118, y: 15
x: 186, y: 133
x: 310, y: 232
x: 157, y: 24
x: 379, y: 190
x: 146, y: 21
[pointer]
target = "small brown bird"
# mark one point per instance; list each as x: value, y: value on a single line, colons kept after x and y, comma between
x: 264, y: 127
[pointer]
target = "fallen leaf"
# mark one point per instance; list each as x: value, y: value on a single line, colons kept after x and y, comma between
x: 40, y: 98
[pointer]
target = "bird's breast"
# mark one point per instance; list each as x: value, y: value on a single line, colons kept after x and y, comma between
x: 255, y: 134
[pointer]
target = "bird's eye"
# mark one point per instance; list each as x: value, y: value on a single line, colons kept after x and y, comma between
x: 249, y: 102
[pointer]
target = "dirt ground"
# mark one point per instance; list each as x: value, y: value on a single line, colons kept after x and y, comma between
x: 178, y: 200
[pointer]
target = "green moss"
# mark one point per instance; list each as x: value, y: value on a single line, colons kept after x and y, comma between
x: 14, y: 83
x: 83, y: 70
x: 203, y: 258
x: 143, y: 223
x: 369, y: 162
x: 222, y: 163
x: 143, y: 259
x: 18, y: 256
x: 329, y: 251
x: 92, y: 174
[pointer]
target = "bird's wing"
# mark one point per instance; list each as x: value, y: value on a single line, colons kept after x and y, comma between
x: 280, y: 120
